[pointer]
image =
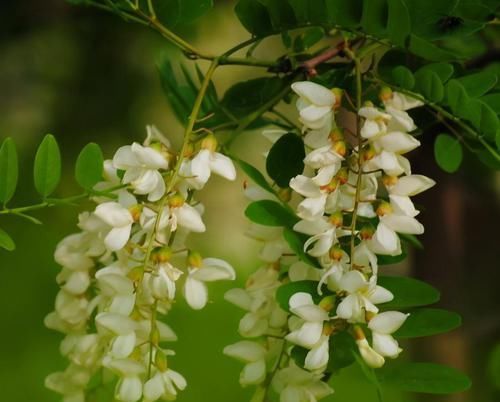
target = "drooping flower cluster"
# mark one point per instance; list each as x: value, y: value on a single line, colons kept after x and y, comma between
x: 120, y: 273
x: 353, y: 203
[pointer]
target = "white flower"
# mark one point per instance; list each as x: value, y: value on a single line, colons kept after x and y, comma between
x: 198, y: 170
x: 162, y: 283
x: 129, y: 386
x: 317, y: 199
x: 164, y: 385
x: 401, y: 101
x: 382, y: 326
x: 328, y: 163
x: 141, y: 165
x: 253, y: 355
x: 324, y: 235
x: 120, y: 219
x: 297, y: 385
x: 404, y: 187
x: 211, y: 269
x: 309, y: 333
x: 182, y: 214
x: 362, y: 296
x: 315, y: 104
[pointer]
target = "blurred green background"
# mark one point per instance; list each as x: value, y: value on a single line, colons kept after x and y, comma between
x: 86, y: 76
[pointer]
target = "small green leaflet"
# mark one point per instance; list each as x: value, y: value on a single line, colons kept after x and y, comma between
x: 89, y: 166
x: 403, y: 77
x: 6, y: 241
x: 270, y: 213
x: 343, y: 349
x: 8, y: 170
x: 285, y: 159
x: 47, y: 168
x: 427, y: 378
x: 448, y: 153
x: 255, y: 175
x: 408, y: 292
x: 427, y: 322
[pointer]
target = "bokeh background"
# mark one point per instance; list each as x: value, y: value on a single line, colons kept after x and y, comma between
x: 87, y: 76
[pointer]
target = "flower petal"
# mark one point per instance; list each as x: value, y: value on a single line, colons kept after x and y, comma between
x: 196, y: 293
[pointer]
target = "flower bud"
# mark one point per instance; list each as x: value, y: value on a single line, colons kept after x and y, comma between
x: 383, y: 208
x: 338, y: 97
x: 336, y: 253
x: 385, y: 94
x: 161, y: 361
x: 209, y: 142
x: 189, y: 150
x: 337, y: 134
x: 176, y: 201
x: 161, y: 254
x: 328, y: 329
x: 135, y: 211
x: 389, y: 181
x: 336, y: 219
x: 342, y: 175
x: 331, y: 187
x: 285, y: 194
x: 327, y: 303
x: 367, y: 232
x: 136, y: 274
x: 368, y: 153
x: 340, y: 147
x: 194, y: 259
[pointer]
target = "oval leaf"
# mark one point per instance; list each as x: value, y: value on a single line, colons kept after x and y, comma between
x: 448, y: 153
x: 89, y: 166
x: 479, y: 83
x: 427, y: 322
x: 403, y: 77
x: 408, y: 292
x: 427, y: 378
x: 270, y: 213
x: 429, y: 85
x: 285, y: 159
x: 6, y: 241
x: 47, y: 169
x: 8, y: 170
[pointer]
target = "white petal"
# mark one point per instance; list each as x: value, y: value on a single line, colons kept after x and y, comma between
x: 158, y: 191
x: 300, y: 299
x: 312, y: 208
x: 124, y: 158
x: 239, y: 297
x: 372, y: 358
x: 246, y: 351
x: 114, y: 214
x: 402, y: 205
x: 123, y: 345
x: 117, y: 238
x: 386, y: 345
x: 118, y: 324
x: 253, y: 373
x: 387, y: 322
x: 149, y: 157
x: 352, y: 281
x: 214, y: 269
x: 349, y: 307
x: 196, y: 293
x: 386, y: 238
x: 190, y: 218
x: 305, y: 186
x: 200, y: 166
x: 129, y: 389
x: 316, y: 117
x: 412, y: 185
x: 308, y: 335
x: 380, y: 295
x: 402, y: 224
x: 314, y: 93
x: 397, y: 141
x: 223, y: 166
x: 154, y: 388
x: 317, y: 358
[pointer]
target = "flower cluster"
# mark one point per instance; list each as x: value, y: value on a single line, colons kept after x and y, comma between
x: 120, y: 273
x: 353, y: 204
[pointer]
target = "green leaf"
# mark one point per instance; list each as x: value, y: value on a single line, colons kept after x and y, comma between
x: 6, y: 241
x: 47, y: 168
x: 429, y: 51
x: 488, y: 123
x: 270, y: 213
x: 427, y: 378
x: 429, y: 85
x: 443, y: 70
x: 281, y: 13
x: 494, y: 366
x: 89, y: 166
x: 493, y: 101
x: 478, y: 84
x: 175, y: 12
x: 247, y: 96
x: 285, y: 159
x: 457, y: 98
x: 448, y: 153
x: 408, y: 292
x: 403, y: 77
x: 296, y: 242
x: 374, y: 19
x: 345, y: 13
x: 8, y: 170
x: 254, y: 17
x: 255, y: 175
x: 284, y: 292
x: 398, y: 22
x: 411, y: 239
x: 308, y: 39
x: 427, y: 322
x: 342, y: 351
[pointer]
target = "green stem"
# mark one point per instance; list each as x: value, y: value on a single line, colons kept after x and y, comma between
x: 359, y: 91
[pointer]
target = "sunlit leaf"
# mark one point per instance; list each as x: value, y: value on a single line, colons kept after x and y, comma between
x: 408, y: 292
x: 47, y: 167
x: 427, y: 322
x: 89, y: 166
x: 8, y: 170
x: 478, y: 84
x: 6, y: 241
